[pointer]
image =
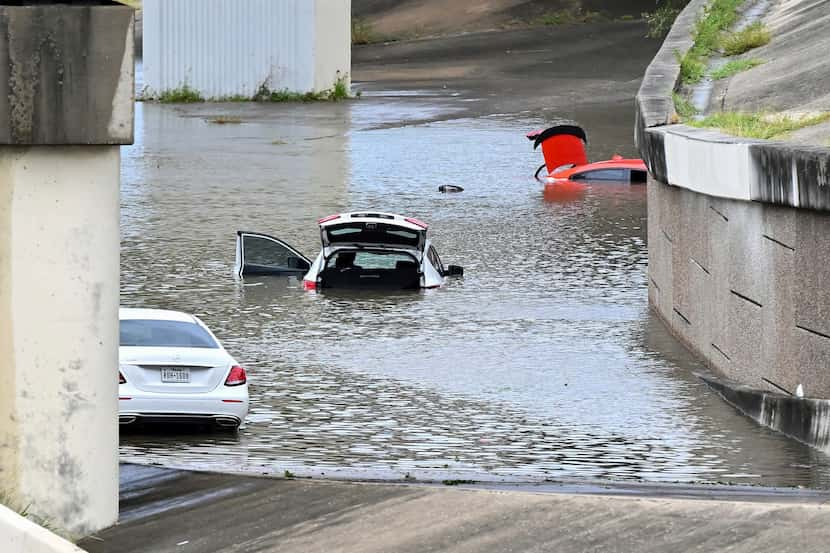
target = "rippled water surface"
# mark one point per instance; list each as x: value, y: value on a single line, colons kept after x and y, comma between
x: 543, y: 362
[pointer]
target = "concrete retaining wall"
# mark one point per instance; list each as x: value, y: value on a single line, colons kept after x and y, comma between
x: 738, y: 249
x: 806, y: 420
x: 19, y: 535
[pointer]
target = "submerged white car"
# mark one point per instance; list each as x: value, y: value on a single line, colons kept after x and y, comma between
x: 360, y: 250
x: 172, y: 368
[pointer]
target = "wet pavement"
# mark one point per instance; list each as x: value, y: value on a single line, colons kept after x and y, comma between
x: 542, y: 363
x: 165, y: 510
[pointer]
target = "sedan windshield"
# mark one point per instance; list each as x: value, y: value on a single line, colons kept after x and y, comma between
x: 175, y: 334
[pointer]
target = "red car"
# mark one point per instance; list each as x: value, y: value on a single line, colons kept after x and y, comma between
x: 563, y: 147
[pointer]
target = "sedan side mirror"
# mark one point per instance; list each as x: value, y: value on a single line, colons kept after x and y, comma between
x: 454, y: 270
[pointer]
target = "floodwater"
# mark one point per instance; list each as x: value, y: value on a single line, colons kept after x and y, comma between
x: 543, y: 362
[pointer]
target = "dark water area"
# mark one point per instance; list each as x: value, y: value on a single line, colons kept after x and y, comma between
x: 543, y: 362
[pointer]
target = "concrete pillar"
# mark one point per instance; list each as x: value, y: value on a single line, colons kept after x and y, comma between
x: 66, y: 104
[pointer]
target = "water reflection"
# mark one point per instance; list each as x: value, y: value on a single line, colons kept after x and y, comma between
x: 542, y: 362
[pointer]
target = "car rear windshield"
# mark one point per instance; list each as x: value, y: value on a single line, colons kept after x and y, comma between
x: 172, y: 334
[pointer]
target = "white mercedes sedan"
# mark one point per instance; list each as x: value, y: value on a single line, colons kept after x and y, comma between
x: 172, y: 368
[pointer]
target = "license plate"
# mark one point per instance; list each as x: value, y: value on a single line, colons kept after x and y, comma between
x: 175, y: 374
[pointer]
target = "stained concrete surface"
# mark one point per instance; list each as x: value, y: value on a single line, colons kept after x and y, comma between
x: 519, y: 70
x: 396, y: 19
x: 173, y: 511
x: 66, y: 75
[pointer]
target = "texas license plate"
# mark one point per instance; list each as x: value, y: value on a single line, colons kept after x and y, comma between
x: 175, y: 374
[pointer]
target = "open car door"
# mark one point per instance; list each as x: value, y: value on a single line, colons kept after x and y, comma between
x: 260, y: 254
x: 562, y: 145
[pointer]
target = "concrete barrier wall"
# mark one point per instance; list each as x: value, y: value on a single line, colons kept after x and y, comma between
x: 226, y: 47
x: 738, y: 249
x: 743, y: 284
x: 20, y: 535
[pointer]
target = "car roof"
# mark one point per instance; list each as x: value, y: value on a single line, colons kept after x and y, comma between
x: 619, y: 163
x: 373, y: 217
x: 129, y: 313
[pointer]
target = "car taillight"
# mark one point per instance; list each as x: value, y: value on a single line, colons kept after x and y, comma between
x: 309, y: 285
x: 236, y: 377
x: 327, y: 219
x: 121, y: 379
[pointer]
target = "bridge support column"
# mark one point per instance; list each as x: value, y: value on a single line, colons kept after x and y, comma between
x: 66, y: 104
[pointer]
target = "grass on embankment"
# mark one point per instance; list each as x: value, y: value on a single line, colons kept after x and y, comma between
x: 684, y: 108
x: 758, y: 125
x: 752, y: 36
x: 733, y: 67
x: 718, y: 17
x: 711, y: 36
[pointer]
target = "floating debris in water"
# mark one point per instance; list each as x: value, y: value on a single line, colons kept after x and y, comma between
x: 450, y: 188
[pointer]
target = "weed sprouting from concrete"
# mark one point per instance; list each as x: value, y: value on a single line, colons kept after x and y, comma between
x: 182, y: 95
x: 340, y: 91
x: 289, y: 474
x: 457, y: 482
x: 759, y: 125
x: 10, y: 503
x: 752, y: 36
x: 684, y: 108
x: 285, y: 95
x: 734, y: 67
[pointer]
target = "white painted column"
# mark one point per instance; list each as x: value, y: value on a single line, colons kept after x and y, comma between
x: 59, y: 276
x: 332, y: 43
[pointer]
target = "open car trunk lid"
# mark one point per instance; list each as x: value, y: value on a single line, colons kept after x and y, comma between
x: 374, y: 233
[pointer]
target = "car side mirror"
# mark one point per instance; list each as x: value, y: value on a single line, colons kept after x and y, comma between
x: 454, y: 270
